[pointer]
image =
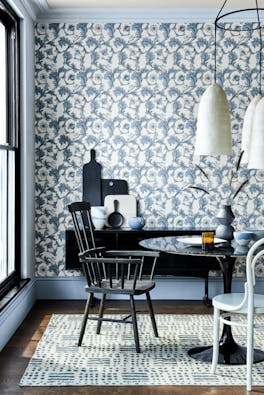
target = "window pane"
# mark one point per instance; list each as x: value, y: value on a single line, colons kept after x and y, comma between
x: 11, y: 212
x: 3, y: 104
x: 3, y: 215
x: 9, y: 150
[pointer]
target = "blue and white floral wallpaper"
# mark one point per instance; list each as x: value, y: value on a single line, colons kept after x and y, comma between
x: 131, y: 92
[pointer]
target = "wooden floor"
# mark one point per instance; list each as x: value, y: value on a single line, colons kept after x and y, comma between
x: 17, y: 353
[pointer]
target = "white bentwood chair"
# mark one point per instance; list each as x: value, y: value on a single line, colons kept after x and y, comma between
x: 247, y: 303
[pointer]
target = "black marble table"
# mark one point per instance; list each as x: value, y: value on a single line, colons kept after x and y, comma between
x: 229, y: 351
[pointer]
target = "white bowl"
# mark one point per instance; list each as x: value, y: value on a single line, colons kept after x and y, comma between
x: 243, y: 238
x: 98, y: 215
x: 98, y: 223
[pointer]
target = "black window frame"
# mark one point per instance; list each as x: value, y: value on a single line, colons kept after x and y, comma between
x: 12, y: 24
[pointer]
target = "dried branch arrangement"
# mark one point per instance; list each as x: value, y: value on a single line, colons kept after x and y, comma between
x: 233, y: 175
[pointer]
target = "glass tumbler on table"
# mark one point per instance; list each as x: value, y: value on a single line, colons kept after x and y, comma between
x: 207, y: 241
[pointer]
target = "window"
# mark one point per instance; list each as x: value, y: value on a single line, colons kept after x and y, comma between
x: 9, y: 151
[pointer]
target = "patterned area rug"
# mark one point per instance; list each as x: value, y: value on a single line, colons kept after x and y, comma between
x: 110, y: 358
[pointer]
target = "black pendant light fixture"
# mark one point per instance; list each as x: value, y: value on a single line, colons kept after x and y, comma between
x: 253, y: 127
x: 213, y: 120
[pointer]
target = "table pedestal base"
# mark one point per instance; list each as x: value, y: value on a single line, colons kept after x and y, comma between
x: 236, y: 357
x: 230, y: 353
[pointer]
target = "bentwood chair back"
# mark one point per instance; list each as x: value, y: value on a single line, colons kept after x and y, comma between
x: 111, y: 272
x: 247, y: 303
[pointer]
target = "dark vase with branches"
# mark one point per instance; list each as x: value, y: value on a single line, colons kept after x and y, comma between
x: 225, y: 215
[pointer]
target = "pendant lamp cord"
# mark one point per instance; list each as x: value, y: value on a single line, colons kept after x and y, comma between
x: 215, y: 56
x: 215, y: 39
x: 260, y: 50
x: 217, y: 19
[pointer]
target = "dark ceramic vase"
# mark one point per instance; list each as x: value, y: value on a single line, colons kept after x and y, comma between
x: 225, y: 217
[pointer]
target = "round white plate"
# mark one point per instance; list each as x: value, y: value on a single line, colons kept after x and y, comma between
x: 197, y: 240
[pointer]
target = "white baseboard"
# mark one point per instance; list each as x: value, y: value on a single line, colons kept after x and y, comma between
x: 175, y: 288
x: 16, y: 311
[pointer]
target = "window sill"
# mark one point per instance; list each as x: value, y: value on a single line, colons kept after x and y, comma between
x: 12, y: 293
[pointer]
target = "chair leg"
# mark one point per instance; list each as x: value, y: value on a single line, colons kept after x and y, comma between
x: 250, y: 351
x: 215, y: 340
x: 134, y: 322
x: 85, y: 317
x: 101, y: 313
x: 152, y: 316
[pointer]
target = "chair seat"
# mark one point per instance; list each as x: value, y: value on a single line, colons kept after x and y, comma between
x: 142, y: 286
x: 230, y: 300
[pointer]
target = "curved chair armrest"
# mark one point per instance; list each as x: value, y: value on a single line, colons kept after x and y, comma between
x: 136, y: 253
x: 92, y: 251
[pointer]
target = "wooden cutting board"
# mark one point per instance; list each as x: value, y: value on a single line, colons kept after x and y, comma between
x: 94, y: 188
x: 92, y: 181
x: 127, y: 206
x: 113, y: 187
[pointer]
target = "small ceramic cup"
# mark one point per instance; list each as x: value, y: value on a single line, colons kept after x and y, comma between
x: 136, y: 222
x: 98, y: 215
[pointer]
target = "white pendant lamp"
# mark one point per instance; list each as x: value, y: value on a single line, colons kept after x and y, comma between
x: 247, y: 128
x: 253, y: 140
x: 256, y: 149
x: 213, y: 135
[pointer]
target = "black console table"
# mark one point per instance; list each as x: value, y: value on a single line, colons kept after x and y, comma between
x: 126, y: 239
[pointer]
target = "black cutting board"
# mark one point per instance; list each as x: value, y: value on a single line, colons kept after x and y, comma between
x: 113, y: 187
x: 92, y: 181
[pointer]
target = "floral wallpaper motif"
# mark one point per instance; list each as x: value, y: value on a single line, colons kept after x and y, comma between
x: 131, y: 92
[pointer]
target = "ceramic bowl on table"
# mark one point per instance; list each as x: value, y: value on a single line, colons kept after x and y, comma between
x: 98, y: 215
x: 136, y: 222
x: 257, y: 234
x: 243, y: 238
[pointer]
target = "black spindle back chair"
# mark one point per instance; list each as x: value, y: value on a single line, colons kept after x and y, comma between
x: 111, y: 272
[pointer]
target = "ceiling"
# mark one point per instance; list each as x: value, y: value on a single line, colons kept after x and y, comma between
x: 148, y: 3
x: 133, y: 10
